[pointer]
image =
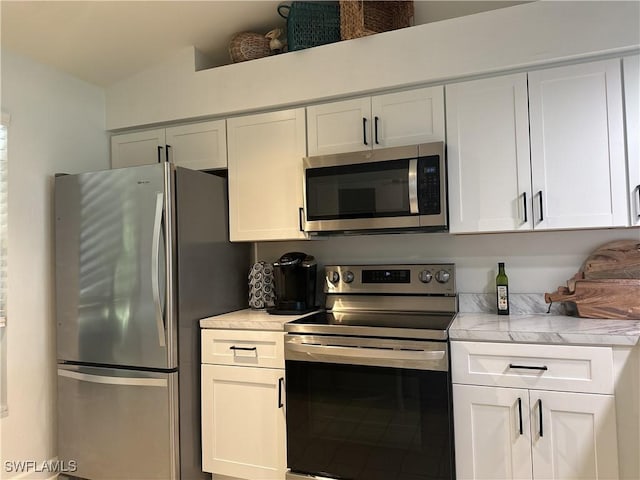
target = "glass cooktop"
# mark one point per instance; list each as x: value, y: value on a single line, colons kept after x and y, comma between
x: 417, y: 325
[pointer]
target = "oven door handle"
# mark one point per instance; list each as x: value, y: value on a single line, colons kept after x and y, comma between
x: 372, y: 353
x: 413, y: 186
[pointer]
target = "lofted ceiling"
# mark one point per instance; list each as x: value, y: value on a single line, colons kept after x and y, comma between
x: 103, y: 42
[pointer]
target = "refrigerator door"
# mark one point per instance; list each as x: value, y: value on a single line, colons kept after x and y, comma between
x: 114, y: 267
x: 117, y: 423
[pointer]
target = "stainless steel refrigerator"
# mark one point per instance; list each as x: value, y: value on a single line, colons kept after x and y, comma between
x: 142, y: 253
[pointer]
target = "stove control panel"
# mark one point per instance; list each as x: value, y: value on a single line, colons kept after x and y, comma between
x: 425, y: 279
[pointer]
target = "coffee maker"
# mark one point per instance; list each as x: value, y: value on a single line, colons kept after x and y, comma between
x: 295, y: 284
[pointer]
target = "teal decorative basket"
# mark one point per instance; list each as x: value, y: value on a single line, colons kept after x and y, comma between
x: 310, y: 24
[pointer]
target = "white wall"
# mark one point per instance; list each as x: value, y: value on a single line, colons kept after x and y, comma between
x: 57, y: 125
x: 536, y: 262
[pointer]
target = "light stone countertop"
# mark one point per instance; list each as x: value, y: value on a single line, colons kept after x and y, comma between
x: 248, y: 319
x: 543, y: 328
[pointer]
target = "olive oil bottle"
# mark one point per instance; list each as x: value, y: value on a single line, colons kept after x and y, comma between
x: 502, y: 291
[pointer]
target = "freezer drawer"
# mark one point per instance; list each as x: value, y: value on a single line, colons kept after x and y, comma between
x: 118, y: 424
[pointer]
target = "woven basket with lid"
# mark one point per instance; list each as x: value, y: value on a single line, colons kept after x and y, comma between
x: 359, y: 18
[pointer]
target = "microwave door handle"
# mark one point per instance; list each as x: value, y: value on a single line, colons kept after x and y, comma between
x: 413, y: 186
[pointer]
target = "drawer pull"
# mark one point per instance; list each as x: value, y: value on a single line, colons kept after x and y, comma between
x: 246, y: 349
x: 528, y: 367
x: 520, y: 414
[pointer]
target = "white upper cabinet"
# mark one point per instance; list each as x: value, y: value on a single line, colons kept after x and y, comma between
x: 199, y: 146
x: 488, y: 155
x: 631, y: 68
x: 138, y: 148
x: 577, y: 146
x: 394, y: 119
x: 265, y: 175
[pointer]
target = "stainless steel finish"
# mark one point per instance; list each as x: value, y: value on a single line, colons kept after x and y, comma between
x: 211, y: 275
x: 414, y: 354
x: 348, y: 276
x: 415, y: 287
x: 333, y: 276
x: 408, y: 222
x: 426, y: 276
x: 168, y: 295
x: 356, y: 225
x: 413, y: 186
x: 443, y: 276
x: 367, y: 156
x: 107, y: 234
x: 105, y: 304
x: 155, y: 261
x: 299, y: 476
x: 135, y: 442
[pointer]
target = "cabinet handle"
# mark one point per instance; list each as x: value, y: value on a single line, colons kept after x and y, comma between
x: 364, y: 130
x: 247, y: 349
x: 524, y: 205
x: 160, y: 154
x: 540, y: 414
x: 280, y: 383
x: 528, y: 367
x: 541, y: 208
x: 167, y: 152
x: 300, y: 216
x: 375, y: 125
x: 638, y: 192
x: 520, y: 415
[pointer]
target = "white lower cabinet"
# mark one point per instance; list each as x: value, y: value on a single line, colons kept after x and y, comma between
x: 504, y: 432
x: 243, y: 407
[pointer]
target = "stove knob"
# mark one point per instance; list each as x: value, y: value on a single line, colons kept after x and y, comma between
x: 348, y: 277
x: 333, y: 277
x: 425, y: 276
x: 443, y: 276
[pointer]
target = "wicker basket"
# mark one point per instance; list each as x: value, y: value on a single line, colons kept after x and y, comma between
x: 359, y: 18
x: 248, y: 46
x: 310, y: 24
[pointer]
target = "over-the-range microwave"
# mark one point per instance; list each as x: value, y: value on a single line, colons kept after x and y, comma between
x: 398, y: 188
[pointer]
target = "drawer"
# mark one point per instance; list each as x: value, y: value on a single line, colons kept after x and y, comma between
x: 566, y: 368
x: 243, y: 347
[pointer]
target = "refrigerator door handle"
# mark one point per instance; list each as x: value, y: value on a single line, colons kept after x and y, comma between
x: 155, y: 283
x: 127, y: 381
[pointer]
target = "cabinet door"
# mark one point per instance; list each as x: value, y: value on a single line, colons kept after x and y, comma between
x: 199, y: 146
x: 408, y: 118
x: 265, y: 175
x: 243, y: 422
x: 488, y: 155
x: 138, y: 148
x: 491, y: 433
x: 631, y: 67
x: 577, y: 146
x: 339, y: 127
x: 574, y: 436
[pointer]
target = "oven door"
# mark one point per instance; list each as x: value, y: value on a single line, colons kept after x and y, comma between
x: 348, y: 417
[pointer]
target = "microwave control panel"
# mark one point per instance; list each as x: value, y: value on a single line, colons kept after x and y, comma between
x: 429, y: 185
